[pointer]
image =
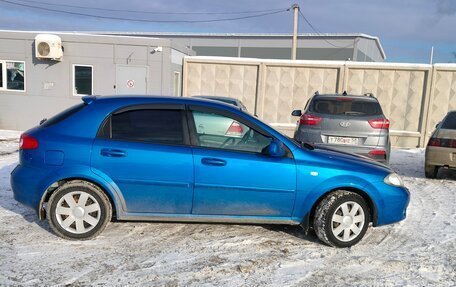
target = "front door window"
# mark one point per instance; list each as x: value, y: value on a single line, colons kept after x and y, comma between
x: 218, y: 131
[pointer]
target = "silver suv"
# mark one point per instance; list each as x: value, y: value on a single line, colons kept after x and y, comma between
x: 349, y: 123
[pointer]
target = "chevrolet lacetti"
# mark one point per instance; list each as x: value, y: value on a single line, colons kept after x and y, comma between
x: 163, y: 159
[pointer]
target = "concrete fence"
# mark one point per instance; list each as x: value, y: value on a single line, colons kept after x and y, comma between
x: 414, y: 97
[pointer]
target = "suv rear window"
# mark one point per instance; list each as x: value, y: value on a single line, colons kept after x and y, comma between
x: 159, y: 126
x: 63, y: 115
x: 345, y: 106
x: 450, y: 122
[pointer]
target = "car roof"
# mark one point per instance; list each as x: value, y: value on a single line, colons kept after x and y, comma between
x: 151, y: 99
x: 216, y: 97
x: 366, y: 97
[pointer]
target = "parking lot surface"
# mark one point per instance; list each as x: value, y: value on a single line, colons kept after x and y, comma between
x: 420, y: 251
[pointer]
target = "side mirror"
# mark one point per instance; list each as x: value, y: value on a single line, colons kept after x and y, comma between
x: 275, y: 149
x: 437, y: 125
x: 296, y: 113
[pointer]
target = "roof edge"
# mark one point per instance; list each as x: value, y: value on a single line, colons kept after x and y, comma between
x: 192, y: 34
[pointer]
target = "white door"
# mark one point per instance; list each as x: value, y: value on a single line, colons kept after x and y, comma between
x: 131, y: 80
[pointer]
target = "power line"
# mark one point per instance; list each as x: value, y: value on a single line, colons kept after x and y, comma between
x: 319, y: 33
x: 143, y: 20
x: 150, y: 12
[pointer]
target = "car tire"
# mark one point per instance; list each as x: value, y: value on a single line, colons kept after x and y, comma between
x: 78, y: 210
x: 341, y: 219
x: 430, y: 171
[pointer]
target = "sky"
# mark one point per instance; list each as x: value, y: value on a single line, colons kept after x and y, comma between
x: 407, y: 28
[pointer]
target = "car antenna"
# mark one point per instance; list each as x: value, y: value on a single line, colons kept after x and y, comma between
x: 316, y: 93
x: 344, y: 93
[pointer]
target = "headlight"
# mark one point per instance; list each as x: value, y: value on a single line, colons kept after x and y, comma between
x: 393, y: 179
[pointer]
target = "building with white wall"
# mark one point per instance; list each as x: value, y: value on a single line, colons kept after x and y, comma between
x: 34, y: 87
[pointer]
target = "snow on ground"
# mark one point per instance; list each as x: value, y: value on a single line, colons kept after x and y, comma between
x: 420, y: 251
x: 9, y: 141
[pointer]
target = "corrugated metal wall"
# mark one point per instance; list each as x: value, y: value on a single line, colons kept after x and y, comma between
x: 415, y: 97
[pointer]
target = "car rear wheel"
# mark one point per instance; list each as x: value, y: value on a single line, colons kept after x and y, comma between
x: 78, y: 210
x: 341, y: 219
x: 430, y: 171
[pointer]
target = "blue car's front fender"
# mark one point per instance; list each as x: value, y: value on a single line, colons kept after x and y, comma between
x: 306, y: 200
x: 391, y: 201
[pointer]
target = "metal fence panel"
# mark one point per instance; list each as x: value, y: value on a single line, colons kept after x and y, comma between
x: 230, y: 80
x: 288, y: 88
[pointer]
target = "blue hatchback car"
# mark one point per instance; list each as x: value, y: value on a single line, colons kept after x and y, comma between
x: 162, y: 159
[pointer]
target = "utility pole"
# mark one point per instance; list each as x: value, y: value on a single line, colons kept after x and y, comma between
x: 295, y: 8
x: 432, y: 55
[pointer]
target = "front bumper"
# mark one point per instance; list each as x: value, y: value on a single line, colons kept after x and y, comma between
x: 394, y: 203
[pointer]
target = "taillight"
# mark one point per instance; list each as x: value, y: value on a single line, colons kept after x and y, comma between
x: 442, y: 142
x: 377, y: 152
x: 434, y: 142
x: 309, y: 120
x: 28, y: 142
x: 380, y: 124
x: 235, y: 130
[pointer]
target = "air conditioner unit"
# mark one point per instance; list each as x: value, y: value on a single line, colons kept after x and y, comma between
x: 48, y: 46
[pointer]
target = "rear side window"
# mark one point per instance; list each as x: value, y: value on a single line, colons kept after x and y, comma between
x: 63, y: 115
x: 345, y: 106
x: 148, y: 125
x: 450, y: 122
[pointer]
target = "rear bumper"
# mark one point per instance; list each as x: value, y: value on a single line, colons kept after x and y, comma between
x: 316, y: 137
x: 25, y: 182
x: 360, y: 150
x: 441, y: 156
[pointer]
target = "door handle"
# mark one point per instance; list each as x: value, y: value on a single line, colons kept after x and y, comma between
x: 213, y: 161
x: 113, y: 152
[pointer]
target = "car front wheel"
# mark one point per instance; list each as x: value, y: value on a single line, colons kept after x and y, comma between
x: 341, y: 219
x: 78, y: 210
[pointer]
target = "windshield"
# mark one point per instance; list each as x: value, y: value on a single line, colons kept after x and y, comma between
x: 345, y: 106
